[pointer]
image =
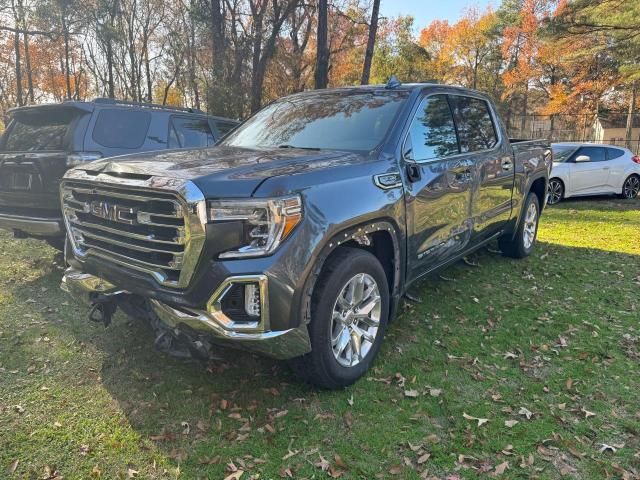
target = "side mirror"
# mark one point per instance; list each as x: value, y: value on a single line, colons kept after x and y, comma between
x: 583, y: 158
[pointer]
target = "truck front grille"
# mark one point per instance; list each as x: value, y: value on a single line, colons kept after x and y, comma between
x: 146, y: 230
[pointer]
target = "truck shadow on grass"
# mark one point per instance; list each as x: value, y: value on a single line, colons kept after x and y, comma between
x: 191, y: 412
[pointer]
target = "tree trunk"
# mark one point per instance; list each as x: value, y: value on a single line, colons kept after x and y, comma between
x: 322, y: 53
x: 525, y: 106
x: 216, y: 100
x: 147, y: 69
x: 16, y: 45
x: 631, y: 115
x: 371, y: 43
x: 67, y: 68
x: 27, y: 66
x: 110, y: 80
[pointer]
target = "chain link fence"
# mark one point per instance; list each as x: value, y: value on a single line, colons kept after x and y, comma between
x: 607, y: 129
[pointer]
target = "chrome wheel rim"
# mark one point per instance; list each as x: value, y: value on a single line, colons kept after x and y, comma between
x: 555, y: 192
x: 355, y: 320
x: 530, y: 226
x: 631, y: 187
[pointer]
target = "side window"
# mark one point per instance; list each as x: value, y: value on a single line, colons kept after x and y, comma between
x: 475, y: 124
x: 613, y: 153
x: 173, y: 137
x: 432, y: 133
x: 121, y: 128
x: 191, y: 132
x: 224, y: 127
x: 595, y: 154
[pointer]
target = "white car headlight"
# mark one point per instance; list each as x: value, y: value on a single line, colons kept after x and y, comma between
x: 267, y: 222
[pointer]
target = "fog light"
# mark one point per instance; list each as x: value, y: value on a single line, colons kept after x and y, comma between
x: 252, y: 299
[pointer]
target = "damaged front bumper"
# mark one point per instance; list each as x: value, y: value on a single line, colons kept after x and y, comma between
x: 211, y: 324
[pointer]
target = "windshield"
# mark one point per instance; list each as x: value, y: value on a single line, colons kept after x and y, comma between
x: 337, y: 120
x: 561, y: 153
x: 41, y: 130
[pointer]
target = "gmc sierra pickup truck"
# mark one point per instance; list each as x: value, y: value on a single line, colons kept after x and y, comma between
x: 297, y: 235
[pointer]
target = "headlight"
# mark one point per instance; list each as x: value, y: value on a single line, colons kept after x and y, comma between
x: 266, y: 222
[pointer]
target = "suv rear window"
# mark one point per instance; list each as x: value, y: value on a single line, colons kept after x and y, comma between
x: 38, y: 131
x: 120, y: 128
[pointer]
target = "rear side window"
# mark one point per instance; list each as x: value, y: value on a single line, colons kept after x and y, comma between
x: 43, y: 130
x: 432, y: 133
x: 185, y: 132
x: 613, y: 153
x: 120, y: 128
x: 476, y: 129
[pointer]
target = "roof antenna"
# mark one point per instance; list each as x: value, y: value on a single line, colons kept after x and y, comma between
x: 393, y: 83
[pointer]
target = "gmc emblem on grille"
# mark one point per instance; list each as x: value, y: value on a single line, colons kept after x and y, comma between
x: 113, y: 212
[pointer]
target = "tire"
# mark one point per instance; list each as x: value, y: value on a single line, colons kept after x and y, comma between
x: 631, y: 187
x: 334, y: 329
x: 523, y: 243
x: 555, y: 192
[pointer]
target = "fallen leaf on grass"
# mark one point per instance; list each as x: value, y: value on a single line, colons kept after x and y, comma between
x: 411, y: 393
x: 481, y: 421
x: 322, y: 464
x: 12, y: 468
x: 587, y: 413
x: 500, y: 469
x: 435, y: 392
x: 423, y: 458
x: 525, y: 412
x: 234, y: 475
x: 340, y: 462
x: 607, y: 448
x: 510, y: 423
x: 186, y: 428
x: 84, y: 449
x: 350, y: 400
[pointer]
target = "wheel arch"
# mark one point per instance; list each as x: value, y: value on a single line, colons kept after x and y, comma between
x: 383, y: 239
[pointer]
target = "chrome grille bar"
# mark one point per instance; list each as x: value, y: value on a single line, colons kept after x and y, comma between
x: 154, y: 226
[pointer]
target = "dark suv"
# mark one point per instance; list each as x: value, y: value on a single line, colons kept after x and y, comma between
x: 42, y: 142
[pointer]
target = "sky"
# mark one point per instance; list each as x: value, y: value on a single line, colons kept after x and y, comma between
x: 425, y: 11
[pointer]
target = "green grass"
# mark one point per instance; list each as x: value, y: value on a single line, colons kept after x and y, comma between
x: 557, y: 334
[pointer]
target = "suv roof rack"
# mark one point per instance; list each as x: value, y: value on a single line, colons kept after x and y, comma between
x: 113, y: 101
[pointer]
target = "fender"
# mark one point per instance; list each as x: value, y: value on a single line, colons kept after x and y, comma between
x: 359, y: 234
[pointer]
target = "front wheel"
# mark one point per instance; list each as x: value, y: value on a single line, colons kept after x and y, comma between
x: 522, y: 244
x: 631, y: 187
x: 349, y: 314
x: 555, y: 191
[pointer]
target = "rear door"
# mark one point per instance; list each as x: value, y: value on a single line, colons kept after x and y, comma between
x: 439, y: 187
x: 591, y: 175
x: 480, y: 137
x: 190, y: 132
x: 618, y: 161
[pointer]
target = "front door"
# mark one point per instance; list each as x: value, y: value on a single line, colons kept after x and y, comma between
x: 588, y: 171
x: 439, y: 188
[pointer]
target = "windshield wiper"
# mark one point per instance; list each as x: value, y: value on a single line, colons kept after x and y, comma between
x: 301, y: 148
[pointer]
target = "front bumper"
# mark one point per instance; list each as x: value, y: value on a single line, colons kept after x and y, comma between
x: 37, y: 226
x: 210, y: 323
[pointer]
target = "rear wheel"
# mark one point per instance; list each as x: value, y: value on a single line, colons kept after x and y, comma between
x: 522, y: 244
x: 555, y: 192
x: 349, y: 314
x: 631, y: 187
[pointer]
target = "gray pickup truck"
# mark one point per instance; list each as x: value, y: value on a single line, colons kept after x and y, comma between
x: 297, y: 236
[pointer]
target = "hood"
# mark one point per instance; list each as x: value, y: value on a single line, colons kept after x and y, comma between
x: 226, y: 171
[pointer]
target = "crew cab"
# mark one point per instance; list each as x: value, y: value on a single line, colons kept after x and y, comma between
x: 297, y: 235
x: 43, y: 141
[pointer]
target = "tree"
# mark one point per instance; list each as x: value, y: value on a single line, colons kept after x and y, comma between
x: 373, y: 30
x: 322, y: 46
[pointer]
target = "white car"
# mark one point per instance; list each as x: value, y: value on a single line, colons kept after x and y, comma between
x: 592, y: 169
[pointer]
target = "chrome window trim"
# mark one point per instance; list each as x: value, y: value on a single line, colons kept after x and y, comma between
x: 186, y: 193
x: 447, y: 94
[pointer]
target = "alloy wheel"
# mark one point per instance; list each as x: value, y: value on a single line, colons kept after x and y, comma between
x: 631, y: 187
x: 530, y: 226
x: 355, y: 320
x: 555, y: 192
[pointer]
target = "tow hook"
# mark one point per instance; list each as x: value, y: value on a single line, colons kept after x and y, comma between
x: 102, y: 311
